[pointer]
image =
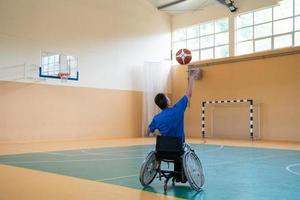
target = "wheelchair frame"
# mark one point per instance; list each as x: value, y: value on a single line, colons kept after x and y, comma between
x: 168, y: 174
x: 191, y: 169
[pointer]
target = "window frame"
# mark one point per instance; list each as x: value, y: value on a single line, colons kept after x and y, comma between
x: 272, y: 36
x: 199, y: 37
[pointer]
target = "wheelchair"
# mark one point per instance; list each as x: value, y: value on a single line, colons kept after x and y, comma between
x: 187, y: 165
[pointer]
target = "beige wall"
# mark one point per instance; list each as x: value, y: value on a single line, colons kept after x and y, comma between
x: 35, y: 112
x: 272, y: 83
x: 112, y: 38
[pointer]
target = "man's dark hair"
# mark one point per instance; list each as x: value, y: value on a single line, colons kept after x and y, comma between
x: 161, y: 100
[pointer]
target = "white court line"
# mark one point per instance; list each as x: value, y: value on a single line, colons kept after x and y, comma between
x: 249, y: 160
x: 85, y: 152
x: 288, y: 168
x: 106, y: 153
x: 111, y: 152
x: 65, y: 161
x: 216, y: 149
x: 122, y: 151
x: 86, y: 160
x: 103, y: 153
x: 114, y: 178
x: 61, y: 154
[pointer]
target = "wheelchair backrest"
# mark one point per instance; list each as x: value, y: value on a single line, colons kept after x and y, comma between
x: 168, y: 147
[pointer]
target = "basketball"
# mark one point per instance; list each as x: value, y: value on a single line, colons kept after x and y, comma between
x: 183, y: 56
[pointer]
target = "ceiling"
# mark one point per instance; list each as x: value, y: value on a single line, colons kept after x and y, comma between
x: 188, y: 5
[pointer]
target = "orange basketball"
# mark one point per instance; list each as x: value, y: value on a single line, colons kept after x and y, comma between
x: 183, y: 56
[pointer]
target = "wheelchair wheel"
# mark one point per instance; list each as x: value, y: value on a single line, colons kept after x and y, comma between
x: 149, y: 169
x: 193, y: 170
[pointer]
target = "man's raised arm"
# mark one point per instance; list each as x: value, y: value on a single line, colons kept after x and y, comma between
x: 191, y: 78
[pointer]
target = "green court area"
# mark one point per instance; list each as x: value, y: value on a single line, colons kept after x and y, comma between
x: 231, y: 172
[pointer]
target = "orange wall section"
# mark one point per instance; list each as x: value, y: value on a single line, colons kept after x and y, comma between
x: 39, y: 112
x: 273, y: 84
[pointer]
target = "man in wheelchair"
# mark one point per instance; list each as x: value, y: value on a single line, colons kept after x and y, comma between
x: 170, y: 144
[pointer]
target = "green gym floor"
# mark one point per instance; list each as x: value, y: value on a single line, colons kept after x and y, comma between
x: 241, y: 173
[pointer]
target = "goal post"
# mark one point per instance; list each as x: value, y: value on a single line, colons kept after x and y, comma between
x: 251, y: 112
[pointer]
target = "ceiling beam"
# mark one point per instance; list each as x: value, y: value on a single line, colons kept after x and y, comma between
x: 170, y: 4
x: 229, y: 4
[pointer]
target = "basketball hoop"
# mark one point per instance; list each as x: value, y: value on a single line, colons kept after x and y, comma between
x: 64, y: 76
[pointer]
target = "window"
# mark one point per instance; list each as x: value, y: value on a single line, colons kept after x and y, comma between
x: 269, y: 28
x: 52, y: 64
x: 205, y: 41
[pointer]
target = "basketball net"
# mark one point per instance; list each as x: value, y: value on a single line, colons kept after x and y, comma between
x: 63, y: 77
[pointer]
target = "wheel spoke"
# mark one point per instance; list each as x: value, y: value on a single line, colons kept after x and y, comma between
x: 149, y: 169
x: 194, y: 171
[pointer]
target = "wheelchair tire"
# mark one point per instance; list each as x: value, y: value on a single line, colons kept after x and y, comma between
x: 193, y: 170
x: 149, y: 169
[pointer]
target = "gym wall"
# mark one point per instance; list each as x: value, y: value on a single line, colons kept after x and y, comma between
x: 47, y: 112
x: 273, y: 84
x: 112, y: 40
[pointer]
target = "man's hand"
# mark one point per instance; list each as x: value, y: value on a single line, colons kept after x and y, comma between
x: 148, y: 133
x: 155, y: 133
x: 193, y: 73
